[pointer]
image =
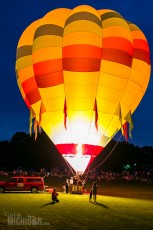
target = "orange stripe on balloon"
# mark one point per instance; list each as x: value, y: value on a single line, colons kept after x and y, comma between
x: 118, y: 56
x: 118, y: 43
x: 82, y: 51
x: 48, y: 66
x: 81, y: 65
x: 49, y: 80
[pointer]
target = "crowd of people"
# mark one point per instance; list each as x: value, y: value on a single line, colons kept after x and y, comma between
x: 142, y: 176
x: 75, y: 184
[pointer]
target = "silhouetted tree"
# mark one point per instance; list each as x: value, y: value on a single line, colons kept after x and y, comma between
x: 23, y: 150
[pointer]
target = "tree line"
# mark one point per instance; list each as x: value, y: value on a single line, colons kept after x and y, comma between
x: 22, y: 150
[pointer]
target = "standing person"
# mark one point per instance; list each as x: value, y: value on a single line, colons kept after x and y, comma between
x: 90, y: 196
x: 55, y: 195
x: 80, y: 186
x: 94, y: 191
x: 75, y: 183
x: 67, y: 186
x: 71, y: 185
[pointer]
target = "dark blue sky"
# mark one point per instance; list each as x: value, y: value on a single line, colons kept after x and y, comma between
x: 16, y: 15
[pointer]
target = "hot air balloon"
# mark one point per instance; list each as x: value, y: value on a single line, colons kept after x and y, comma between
x: 82, y: 73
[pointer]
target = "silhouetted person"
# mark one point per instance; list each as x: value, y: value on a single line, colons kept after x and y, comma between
x: 90, y: 196
x: 94, y: 191
x: 67, y: 186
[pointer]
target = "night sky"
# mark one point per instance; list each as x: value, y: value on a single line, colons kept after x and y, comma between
x: 16, y: 15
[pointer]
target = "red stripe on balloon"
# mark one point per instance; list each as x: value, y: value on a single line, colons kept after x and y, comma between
x: 142, y: 55
x: 33, y: 96
x: 29, y: 85
x: 27, y: 102
x: 48, y: 66
x: 91, y: 150
x: 140, y: 44
x: 48, y: 80
x: 118, y: 43
x: 81, y: 65
x: 118, y: 56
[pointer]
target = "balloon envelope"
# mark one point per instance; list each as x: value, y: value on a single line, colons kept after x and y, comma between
x: 82, y: 72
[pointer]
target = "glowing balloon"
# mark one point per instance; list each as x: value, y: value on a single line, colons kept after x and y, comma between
x: 82, y: 72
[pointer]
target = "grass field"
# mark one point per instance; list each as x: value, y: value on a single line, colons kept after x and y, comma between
x: 119, y: 206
